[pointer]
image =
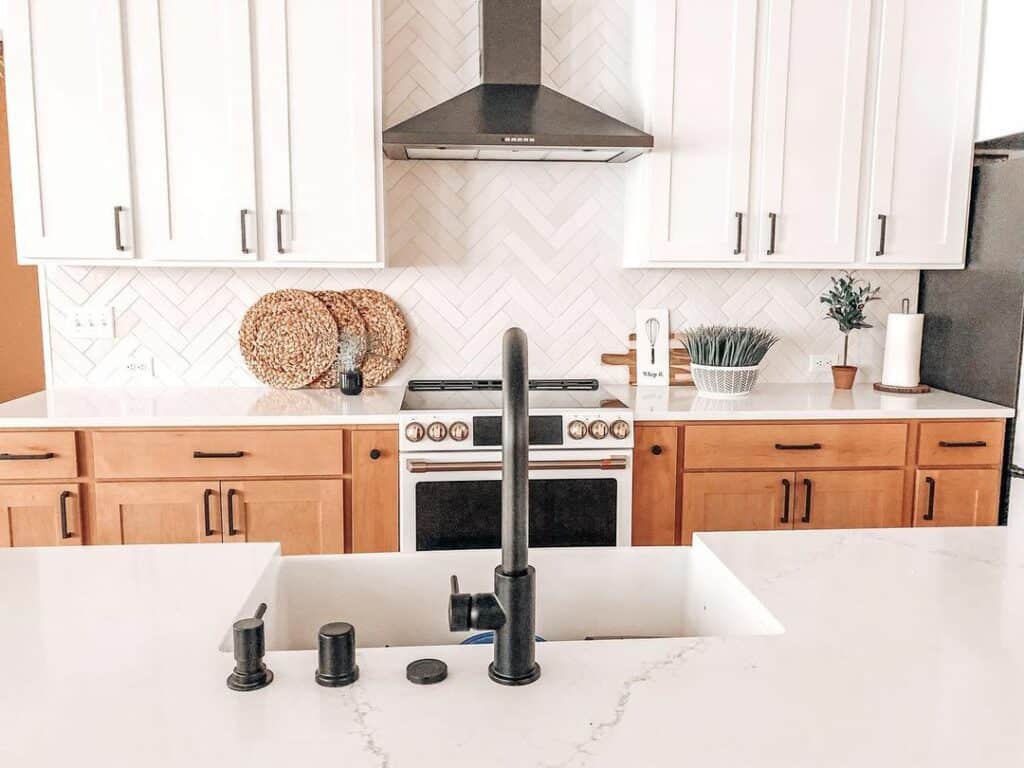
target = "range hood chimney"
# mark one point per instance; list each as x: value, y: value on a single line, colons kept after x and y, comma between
x: 511, y: 116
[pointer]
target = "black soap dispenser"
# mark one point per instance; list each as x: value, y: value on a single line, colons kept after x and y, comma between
x: 250, y: 673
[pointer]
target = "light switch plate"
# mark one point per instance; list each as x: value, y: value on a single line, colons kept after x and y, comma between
x: 91, y: 322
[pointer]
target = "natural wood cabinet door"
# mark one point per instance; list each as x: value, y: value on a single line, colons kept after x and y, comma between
x: 655, y: 474
x: 305, y: 516
x: 736, y: 501
x: 157, y: 513
x: 40, y: 515
x: 848, y: 499
x: 374, y: 501
x: 957, y: 497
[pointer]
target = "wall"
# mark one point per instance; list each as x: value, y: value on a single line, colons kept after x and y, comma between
x: 1001, y: 100
x: 21, y: 339
x: 474, y: 247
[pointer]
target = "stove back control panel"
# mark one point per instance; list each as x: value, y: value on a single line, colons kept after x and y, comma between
x: 426, y: 432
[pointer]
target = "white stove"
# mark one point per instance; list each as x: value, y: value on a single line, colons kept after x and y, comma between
x: 581, y: 445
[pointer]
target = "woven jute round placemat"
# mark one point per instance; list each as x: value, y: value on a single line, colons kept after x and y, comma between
x: 288, y: 338
x: 387, y: 333
x: 349, y: 322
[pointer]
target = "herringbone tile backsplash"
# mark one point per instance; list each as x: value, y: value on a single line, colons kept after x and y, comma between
x: 474, y: 247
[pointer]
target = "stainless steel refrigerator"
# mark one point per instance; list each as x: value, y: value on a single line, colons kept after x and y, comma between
x: 974, y: 318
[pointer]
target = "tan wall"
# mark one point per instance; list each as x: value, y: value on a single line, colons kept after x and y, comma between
x: 21, y: 338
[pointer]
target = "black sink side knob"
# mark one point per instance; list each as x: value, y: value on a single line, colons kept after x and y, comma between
x: 250, y: 673
x: 336, y: 655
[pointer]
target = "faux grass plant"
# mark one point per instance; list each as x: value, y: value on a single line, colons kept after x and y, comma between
x: 728, y: 345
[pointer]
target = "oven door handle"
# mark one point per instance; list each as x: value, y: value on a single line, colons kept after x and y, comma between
x: 419, y: 466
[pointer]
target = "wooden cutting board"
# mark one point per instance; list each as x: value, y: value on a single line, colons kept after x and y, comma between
x: 678, y: 361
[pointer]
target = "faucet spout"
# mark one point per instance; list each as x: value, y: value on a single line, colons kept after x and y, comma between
x: 515, y: 444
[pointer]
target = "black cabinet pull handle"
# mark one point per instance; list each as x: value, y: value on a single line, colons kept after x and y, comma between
x: 967, y: 444
x: 375, y: 454
x: 807, y: 502
x: 656, y: 450
x: 771, y: 238
x: 930, y: 514
x: 881, y: 237
x: 118, y: 242
x: 232, y: 531
x: 225, y: 455
x: 206, y: 512
x: 785, y: 502
x: 64, y: 532
x: 798, y: 447
x: 245, y: 232
x: 739, y: 234
x: 279, y: 215
x: 27, y: 456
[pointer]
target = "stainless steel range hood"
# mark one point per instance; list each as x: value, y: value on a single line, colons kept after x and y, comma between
x: 510, y: 116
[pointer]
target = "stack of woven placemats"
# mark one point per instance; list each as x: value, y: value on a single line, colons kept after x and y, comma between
x: 289, y: 339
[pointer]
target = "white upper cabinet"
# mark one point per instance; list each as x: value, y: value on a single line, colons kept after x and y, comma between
x: 70, y: 167
x: 318, y: 141
x: 816, y: 69
x: 193, y: 129
x: 924, y: 132
x: 700, y: 168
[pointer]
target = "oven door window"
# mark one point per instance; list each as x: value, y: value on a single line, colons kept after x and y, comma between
x: 466, y: 514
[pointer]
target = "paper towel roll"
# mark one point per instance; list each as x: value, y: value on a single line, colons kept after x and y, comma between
x: 902, y: 366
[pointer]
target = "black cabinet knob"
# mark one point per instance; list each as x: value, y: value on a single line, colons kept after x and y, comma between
x: 656, y: 450
x: 375, y: 454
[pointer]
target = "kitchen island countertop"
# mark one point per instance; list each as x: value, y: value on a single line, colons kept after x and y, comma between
x: 900, y: 648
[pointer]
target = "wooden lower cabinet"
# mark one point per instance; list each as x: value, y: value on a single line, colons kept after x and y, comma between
x: 655, y: 476
x: 46, y: 515
x: 305, y: 516
x: 736, y: 501
x: 374, y: 503
x: 848, y: 499
x: 171, y: 512
x: 957, y: 497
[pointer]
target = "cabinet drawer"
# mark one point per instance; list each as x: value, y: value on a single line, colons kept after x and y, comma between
x: 961, y: 443
x: 37, y: 455
x: 794, y: 446
x: 228, y: 453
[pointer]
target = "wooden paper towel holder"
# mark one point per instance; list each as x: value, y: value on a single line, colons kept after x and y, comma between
x: 920, y: 389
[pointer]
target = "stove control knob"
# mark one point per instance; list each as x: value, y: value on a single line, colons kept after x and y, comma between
x: 437, y: 431
x: 598, y: 429
x: 458, y: 431
x: 577, y: 429
x: 414, y: 432
x: 620, y: 429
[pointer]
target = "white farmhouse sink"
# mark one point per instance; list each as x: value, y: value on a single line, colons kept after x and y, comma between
x: 582, y: 593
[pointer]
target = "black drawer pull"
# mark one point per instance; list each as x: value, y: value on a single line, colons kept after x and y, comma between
x: 807, y: 502
x: 206, y: 513
x: 785, y: 502
x: 375, y: 454
x: 967, y: 444
x: 64, y: 532
x: 232, y: 531
x: 27, y: 456
x: 930, y: 514
x: 656, y: 450
x: 226, y: 455
x: 798, y: 447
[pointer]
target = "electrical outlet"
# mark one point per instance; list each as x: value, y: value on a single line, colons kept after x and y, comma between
x: 91, y: 323
x: 139, y: 366
x: 821, y: 362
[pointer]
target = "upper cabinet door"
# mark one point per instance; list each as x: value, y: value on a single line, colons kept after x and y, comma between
x: 701, y: 116
x: 316, y: 77
x: 924, y: 131
x: 192, y: 110
x: 68, y: 130
x: 816, y: 71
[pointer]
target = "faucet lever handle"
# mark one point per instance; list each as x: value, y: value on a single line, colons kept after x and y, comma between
x: 460, y: 606
x: 455, y: 584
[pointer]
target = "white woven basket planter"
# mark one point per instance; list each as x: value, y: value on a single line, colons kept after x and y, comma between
x: 714, y: 381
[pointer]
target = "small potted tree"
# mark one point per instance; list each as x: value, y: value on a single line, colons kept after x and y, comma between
x: 846, y: 299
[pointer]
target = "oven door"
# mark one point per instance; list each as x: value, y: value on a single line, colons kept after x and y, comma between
x: 577, y: 499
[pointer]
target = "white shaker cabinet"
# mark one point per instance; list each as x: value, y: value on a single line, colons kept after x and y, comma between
x: 816, y: 66
x: 193, y: 129
x: 70, y: 168
x: 318, y: 145
x: 924, y: 132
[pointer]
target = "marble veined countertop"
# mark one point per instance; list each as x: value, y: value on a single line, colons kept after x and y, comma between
x: 897, y: 648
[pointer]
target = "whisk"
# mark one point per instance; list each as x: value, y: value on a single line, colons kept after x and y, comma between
x: 653, y: 328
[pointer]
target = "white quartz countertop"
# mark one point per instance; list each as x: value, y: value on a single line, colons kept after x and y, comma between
x: 899, y: 648
x: 255, y: 406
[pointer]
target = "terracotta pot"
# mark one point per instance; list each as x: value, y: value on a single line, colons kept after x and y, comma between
x: 843, y: 376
